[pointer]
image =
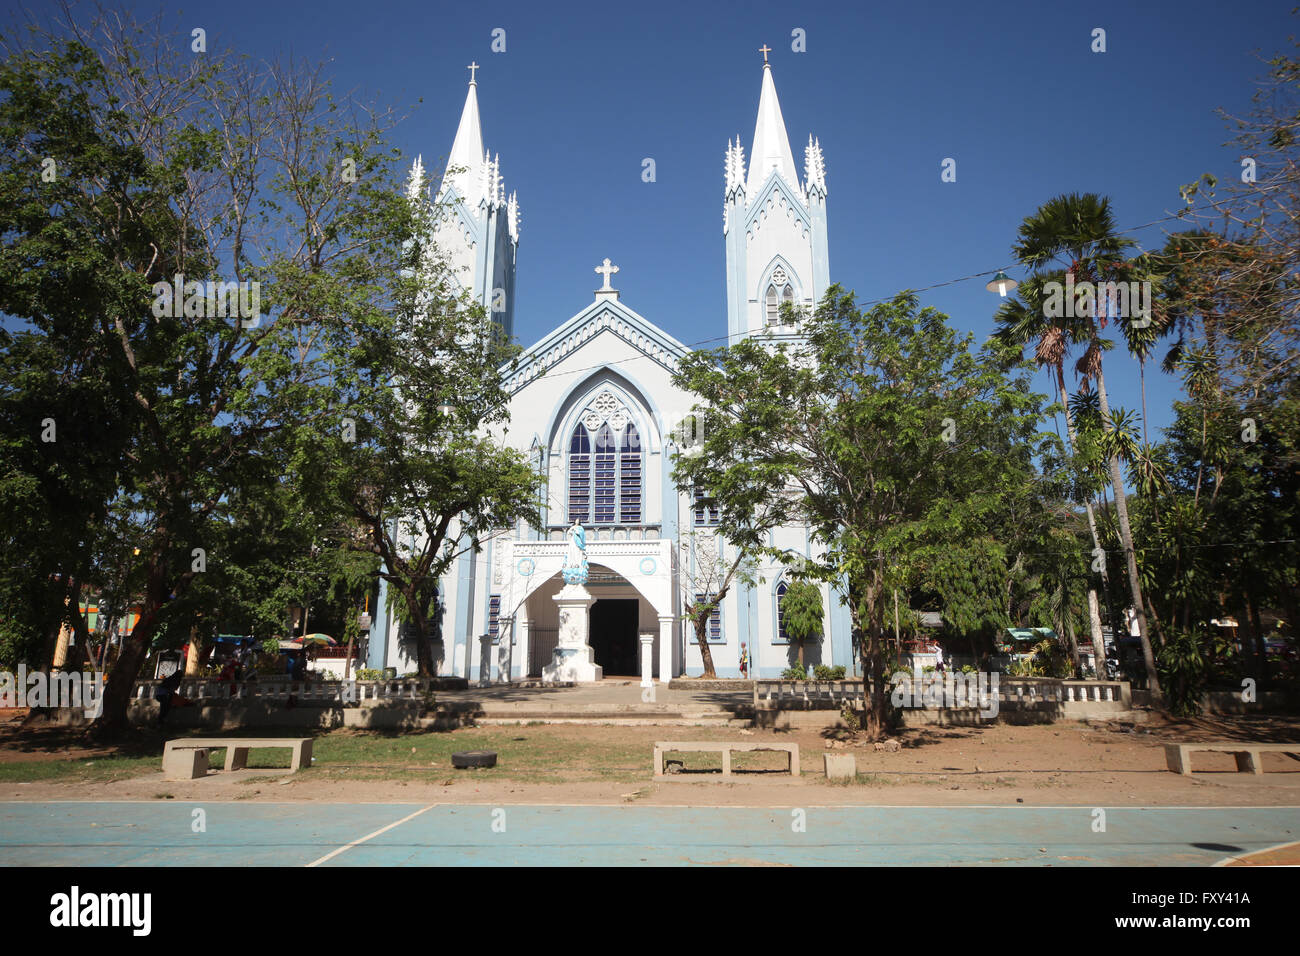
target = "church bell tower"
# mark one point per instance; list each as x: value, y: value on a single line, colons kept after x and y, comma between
x: 478, y: 230
x: 775, y: 228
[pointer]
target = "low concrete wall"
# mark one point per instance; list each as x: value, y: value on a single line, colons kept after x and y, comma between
x: 239, y: 714
x: 1266, y: 702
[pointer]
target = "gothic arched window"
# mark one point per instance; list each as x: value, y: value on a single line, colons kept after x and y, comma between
x: 787, y: 295
x: 773, y: 306
x: 606, y: 468
x: 781, y: 636
x: 580, y: 475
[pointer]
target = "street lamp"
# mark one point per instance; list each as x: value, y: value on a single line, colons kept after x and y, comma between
x: 1001, y: 284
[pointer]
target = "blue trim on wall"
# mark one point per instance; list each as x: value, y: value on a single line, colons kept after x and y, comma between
x: 737, y: 297
x: 377, y: 649
x: 464, y: 602
x: 841, y: 633
x: 668, y: 515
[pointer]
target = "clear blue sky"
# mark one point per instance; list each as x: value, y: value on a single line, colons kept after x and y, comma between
x: 583, y: 92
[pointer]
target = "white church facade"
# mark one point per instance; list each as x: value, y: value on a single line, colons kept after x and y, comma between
x: 593, y: 404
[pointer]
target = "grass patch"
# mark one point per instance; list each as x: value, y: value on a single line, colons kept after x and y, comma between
x: 103, y: 769
x: 359, y: 755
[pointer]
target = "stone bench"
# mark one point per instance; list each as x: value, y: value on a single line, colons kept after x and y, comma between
x: 725, y: 748
x: 1178, y: 757
x: 186, y: 758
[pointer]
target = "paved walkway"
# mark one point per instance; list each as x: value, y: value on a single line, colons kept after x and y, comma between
x: 158, y: 833
x: 610, y: 696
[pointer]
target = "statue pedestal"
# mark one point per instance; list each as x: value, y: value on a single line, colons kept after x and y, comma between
x: 573, y: 660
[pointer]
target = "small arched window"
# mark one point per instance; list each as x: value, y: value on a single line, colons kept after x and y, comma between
x: 580, y: 475
x: 787, y: 295
x: 782, y: 637
x: 773, y: 306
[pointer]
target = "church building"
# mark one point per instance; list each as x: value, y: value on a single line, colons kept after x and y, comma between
x: 593, y: 404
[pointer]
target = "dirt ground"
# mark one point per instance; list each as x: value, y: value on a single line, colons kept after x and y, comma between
x: 1097, y: 764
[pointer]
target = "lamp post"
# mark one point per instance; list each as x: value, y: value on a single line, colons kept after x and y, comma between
x: 1001, y: 284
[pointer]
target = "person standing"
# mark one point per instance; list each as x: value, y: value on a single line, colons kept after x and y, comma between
x: 167, y: 692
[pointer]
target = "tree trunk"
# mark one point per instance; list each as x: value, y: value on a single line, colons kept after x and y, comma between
x: 1130, y: 557
x: 1068, y: 627
x: 196, y: 650
x: 701, y: 622
x: 112, y: 721
x: 1257, y: 628
x: 423, y: 651
x: 1098, y: 640
x: 1094, y: 611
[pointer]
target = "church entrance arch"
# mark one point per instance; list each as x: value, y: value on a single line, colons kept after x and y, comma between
x: 619, y: 615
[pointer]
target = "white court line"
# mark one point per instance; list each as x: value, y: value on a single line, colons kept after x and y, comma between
x: 684, y: 806
x: 1268, y: 849
x: 369, y: 836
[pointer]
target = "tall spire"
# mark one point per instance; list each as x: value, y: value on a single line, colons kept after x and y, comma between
x: 467, y: 153
x: 771, y: 148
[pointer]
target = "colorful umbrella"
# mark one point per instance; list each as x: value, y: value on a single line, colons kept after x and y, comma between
x: 317, y: 639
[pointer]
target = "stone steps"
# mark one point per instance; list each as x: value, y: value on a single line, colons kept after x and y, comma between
x: 618, y: 719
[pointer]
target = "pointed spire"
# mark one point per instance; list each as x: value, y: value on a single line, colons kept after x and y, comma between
x: 771, y: 148
x: 814, y: 167
x: 735, y: 166
x: 466, y: 153
x: 416, y: 184
x: 512, y: 216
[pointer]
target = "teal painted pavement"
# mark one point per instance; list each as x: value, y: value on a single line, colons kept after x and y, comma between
x: 243, y: 834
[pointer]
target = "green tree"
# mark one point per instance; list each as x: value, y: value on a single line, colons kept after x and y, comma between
x: 889, y: 436
x: 409, y: 448
x: 739, y: 499
x: 801, y: 614
x: 1078, y: 233
x: 213, y: 168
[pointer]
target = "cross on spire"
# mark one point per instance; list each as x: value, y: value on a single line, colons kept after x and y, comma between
x: 606, y: 270
x: 765, y: 50
x: 472, y: 67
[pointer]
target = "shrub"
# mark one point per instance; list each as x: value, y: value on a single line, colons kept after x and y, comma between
x: 850, y: 718
x: 369, y: 673
x: 822, y: 672
x: 1183, y: 673
x: 794, y: 672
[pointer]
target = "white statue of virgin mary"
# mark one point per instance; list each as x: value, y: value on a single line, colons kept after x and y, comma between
x: 574, y: 569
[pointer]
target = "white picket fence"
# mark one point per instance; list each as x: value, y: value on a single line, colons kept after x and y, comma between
x: 772, y: 693
x: 318, y: 691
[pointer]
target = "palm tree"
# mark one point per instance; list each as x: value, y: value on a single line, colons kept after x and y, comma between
x: 1078, y: 233
x: 1020, y: 323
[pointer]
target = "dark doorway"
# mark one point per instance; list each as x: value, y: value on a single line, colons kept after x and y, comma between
x: 613, y: 636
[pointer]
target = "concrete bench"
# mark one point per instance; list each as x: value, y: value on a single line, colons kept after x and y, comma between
x: 723, y: 747
x: 186, y: 758
x: 1179, y: 756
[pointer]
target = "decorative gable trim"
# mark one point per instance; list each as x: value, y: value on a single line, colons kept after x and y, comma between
x: 598, y: 318
x: 769, y: 202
